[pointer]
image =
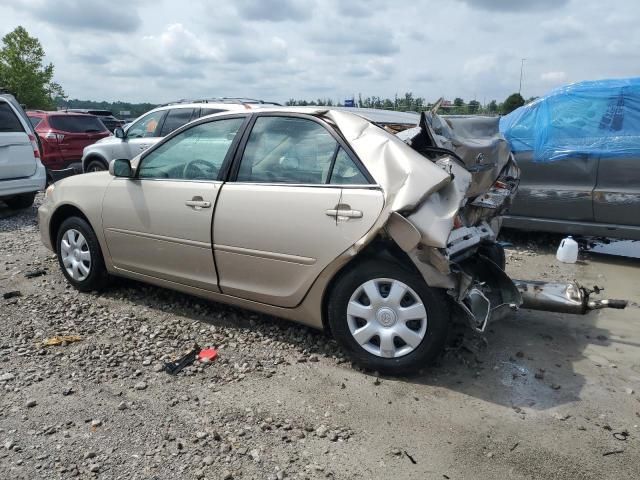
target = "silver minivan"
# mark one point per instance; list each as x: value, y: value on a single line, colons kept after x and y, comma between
x: 22, y: 174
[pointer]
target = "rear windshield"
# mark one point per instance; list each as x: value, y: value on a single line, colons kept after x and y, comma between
x: 76, y: 123
x: 35, y: 121
x: 8, y: 120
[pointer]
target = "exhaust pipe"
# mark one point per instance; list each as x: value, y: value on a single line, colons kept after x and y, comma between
x: 562, y: 297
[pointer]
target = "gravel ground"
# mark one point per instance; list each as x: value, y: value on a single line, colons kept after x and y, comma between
x: 541, y: 396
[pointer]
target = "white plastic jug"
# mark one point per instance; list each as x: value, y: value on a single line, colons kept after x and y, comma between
x: 567, y: 251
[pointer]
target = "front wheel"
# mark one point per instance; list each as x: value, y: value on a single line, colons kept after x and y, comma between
x: 80, y: 256
x: 388, y: 318
x: 96, y: 166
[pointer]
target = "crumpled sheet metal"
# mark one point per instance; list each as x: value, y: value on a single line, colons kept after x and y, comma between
x: 407, y: 178
x: 435, y: 217
x: 478, y: 141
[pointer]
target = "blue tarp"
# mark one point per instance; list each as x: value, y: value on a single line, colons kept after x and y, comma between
x: 600, y: 118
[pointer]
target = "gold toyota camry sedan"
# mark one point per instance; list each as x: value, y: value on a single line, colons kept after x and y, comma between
x: 364, y: 223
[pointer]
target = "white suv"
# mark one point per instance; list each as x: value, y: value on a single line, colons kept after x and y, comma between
x: 151, y: 127
x: 22, y: 174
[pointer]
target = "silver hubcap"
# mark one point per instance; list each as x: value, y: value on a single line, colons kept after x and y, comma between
x: 387, y: 318
x: 75, y: 254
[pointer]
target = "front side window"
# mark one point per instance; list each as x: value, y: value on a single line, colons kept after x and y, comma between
x: 146, y: 126
x: 287, y: 150
x: 195, y: 154
x: 175, y: 119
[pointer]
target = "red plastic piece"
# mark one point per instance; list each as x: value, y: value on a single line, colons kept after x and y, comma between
x: 208, y: 354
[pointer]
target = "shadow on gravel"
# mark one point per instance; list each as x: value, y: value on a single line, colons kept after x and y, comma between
x: 525, y: 361
x: 13, y: 219
x: 522, y: 362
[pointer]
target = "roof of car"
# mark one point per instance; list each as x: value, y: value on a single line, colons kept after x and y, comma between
x: 45, y: 113
x: 373, y: 115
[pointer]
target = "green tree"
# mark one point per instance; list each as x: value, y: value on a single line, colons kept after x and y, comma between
x: 512, y: 102
x: 492, y: 107
x: 23, y: 72
x: 458, y: 102
x: 474, y: 106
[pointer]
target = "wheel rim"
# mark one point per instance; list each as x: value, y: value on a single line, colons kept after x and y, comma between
x: 387, y: 318
x: 96, y: 167
x: 75, y: 254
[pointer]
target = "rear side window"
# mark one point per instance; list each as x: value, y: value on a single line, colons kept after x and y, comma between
x: 8, y: 120
x: 76, y: 123
x: 346, y: 172
x: 175, y: 119
x: 287, y: 150
x: 35, y: 121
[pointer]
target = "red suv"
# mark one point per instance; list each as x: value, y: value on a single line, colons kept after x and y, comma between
x: 64, y: 135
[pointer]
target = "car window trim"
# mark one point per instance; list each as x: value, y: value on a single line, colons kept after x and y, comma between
x: 158, y: 127
x: 225, y: 162
x: 327, y: 126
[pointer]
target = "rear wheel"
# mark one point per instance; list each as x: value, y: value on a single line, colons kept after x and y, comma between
x: 388, y: 318
x: 24, y: 200
x: 96, y: 166
x: 80, y: 256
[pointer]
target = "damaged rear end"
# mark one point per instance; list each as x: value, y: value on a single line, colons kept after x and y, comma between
x: 451, y: 234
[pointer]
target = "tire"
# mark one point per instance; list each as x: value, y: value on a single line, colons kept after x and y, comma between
x: 494, y: 252
x: 24, y: 200
x: 429, y: 333
x: 96, y: 166
x: 93, y: 274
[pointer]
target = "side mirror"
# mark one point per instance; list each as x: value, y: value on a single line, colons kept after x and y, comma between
x: 120, y: 167
x: 118, y: 132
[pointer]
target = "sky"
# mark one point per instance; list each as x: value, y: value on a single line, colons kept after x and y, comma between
x: 159, y: 50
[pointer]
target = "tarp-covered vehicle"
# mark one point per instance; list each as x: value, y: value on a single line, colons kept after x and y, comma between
x: 579, y: 151
x: 361, y: 222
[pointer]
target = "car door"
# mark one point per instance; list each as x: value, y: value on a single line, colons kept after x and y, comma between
x: 159, y: 222
x: 17, y: 159
x: 280, y: 220
x: 141, y: 135
x: 560, y: 189
x: 617, y: 193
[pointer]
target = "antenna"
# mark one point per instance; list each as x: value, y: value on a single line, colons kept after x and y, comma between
x: 521, y: 72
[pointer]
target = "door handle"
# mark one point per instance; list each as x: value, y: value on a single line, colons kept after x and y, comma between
x: 344, y: 213
x: 197, y: 203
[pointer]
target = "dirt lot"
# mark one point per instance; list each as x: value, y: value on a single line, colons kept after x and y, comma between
x: 547, y: 395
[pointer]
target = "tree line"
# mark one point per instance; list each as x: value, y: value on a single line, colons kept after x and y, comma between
x: 410, y: 103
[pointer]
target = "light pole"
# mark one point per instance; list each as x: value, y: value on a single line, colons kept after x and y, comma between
x: 521, y: 72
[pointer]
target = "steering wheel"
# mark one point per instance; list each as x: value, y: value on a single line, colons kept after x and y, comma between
x: 197, y: 169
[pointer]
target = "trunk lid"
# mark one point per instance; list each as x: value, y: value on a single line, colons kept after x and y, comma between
x: 17, y: 157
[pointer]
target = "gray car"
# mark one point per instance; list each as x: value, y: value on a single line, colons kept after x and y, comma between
x: 579, y: 152
x: 21, y: 172
x: 154, y: 125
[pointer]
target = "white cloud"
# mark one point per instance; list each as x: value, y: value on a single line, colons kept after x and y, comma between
x: 553, y: 77
x: 277, y: 49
